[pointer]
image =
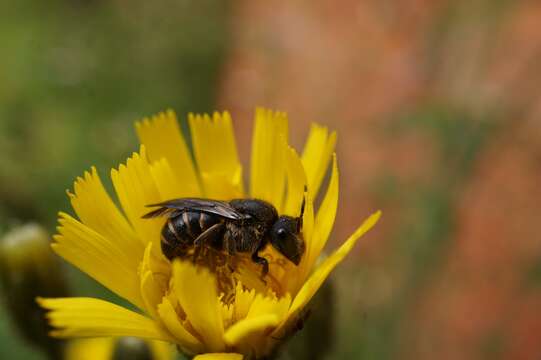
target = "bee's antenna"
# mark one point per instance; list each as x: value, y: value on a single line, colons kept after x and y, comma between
x: 303, y: 204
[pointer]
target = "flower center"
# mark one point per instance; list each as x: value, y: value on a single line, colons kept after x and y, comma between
x: 229, y: 270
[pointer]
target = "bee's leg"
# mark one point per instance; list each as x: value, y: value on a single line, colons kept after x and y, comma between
x: 229, y: 244
x: 261, y: 261
x: 228, y: 247
x: 207, y: 237
x: 196, y: 253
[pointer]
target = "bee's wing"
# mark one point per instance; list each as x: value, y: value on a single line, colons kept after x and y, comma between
x: 215, y: 207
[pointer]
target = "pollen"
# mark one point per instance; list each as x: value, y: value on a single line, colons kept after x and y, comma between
x: 232, y: 271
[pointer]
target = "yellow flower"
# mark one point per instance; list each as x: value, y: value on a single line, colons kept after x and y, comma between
x: 226, y: 313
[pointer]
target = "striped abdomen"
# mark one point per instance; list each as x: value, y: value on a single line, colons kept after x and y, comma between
x: 179, y: 232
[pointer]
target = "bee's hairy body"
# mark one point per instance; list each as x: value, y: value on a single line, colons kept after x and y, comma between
x: 180, y: 233
x: 236, y: 226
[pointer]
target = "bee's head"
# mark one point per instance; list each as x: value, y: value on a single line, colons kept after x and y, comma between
x: 286, y: 238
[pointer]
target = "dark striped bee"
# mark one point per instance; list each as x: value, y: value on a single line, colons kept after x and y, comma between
x: 236, y: 226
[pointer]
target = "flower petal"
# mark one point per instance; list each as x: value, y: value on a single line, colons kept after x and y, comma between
x: 316, y: 156
x: 243, y: 301
x: 170, y: 318
x: 96, y: 256
x: 136, y: 189
x: 167, y: 183
x: 268, y: 165
x: 89, y: 349
x: 219, y: 356
x: 296, y: 181
x: 241, y: 330
x: 162, y: 350
x: 320, y: 274
x: 150, y: 292
x: 293, y: 280
x: 152, y: 288
x: 269, y: 305
x: 324, y: 221
x: 95, y: 209
x: 89, y: 317
x: 227, y: 314
x: 163, y: 138
x: 249, y: 335
x: 215, y: 151
x: 196, y: 291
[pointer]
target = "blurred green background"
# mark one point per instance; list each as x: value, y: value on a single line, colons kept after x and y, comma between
x: 75, y: 76
x: 437, y: 108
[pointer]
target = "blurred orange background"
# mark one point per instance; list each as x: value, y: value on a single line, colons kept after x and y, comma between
x: 437, y: 106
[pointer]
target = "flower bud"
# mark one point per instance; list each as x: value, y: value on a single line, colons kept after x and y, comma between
x: 28, y: 268
x: 123, y: 348
x: 131, y: 348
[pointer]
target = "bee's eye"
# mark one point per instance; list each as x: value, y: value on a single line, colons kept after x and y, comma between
x: 281, y: 233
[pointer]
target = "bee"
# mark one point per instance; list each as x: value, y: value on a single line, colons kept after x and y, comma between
x: 236, y: 226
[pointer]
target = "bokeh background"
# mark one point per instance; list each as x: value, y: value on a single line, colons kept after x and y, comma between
x: 437, y: 105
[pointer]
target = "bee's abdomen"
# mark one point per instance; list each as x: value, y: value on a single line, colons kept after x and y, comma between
x: 179, y: 232
x: 174, y: 239
x: 196, y: 223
